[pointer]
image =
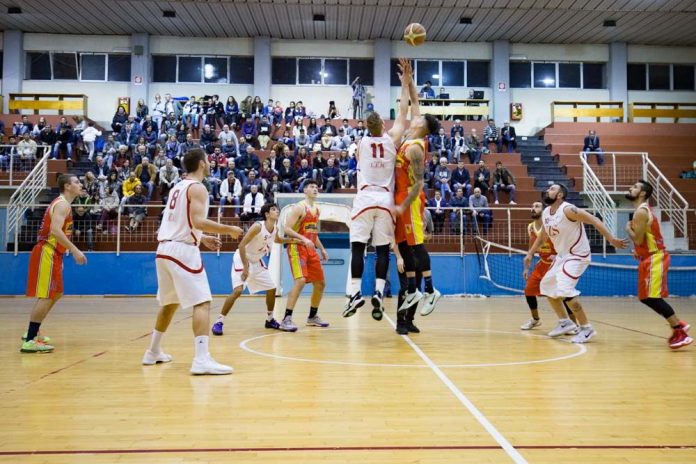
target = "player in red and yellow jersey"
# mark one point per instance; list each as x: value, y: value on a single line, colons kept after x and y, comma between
x: 45, y: 281
x: 546, y: 256
x: 302, y: 224
x: 644, y: 230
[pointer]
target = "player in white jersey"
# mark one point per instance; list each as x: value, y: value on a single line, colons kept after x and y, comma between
x: 249, y: 270
x: 373, y: 204
x: 181, y: 279
x: 563, y: 224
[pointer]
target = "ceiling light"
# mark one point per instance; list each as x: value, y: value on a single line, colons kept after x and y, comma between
x: 14, y: 10
x: 464, y: 20
x: 609, y: 23
x: 169, y: 14
x: 319, y: 17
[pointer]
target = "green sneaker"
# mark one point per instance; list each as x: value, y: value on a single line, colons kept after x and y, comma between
x: 34, y: 346
x: 41, y: 338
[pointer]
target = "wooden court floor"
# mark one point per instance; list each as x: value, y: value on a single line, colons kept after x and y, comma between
x: 471, y: 388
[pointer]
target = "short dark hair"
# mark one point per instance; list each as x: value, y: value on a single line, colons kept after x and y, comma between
x: 563, y: 189
x: 266, y: 208
x: 310, y: 182
x: 646, y: 187
x: 192, y: 158
x: 432, y: 123
x: 63, y: 180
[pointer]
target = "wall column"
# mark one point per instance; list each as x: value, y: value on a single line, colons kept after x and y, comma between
x: 262, y: 68
x: 13, y: 65
x: 139, y: 85
x: 382, y: 87
x: 617, y: 74
x: 501, y: 75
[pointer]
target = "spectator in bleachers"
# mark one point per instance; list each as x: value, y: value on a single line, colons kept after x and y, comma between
x: 318, y: 165
x: 83, y: 225
x: 360, y: 131
x: 298, y: 127
x: 347, y: 128
x: 268, y: 109
x: 479, y: 211
x: 150, y: 137
x: 504, y: 181
x: 91, y: 187
x: 689, y: 174
x: 302, y: 153
x: 592, y: 145
x: 303, y: 141
x: 148, y: 123
x: 429, y: 175
x: 289, y: 114
x: 245, y: 108
x: 147, y: 173
x: 473, y: 147
x: 38, y: 127
x: 47, y: 136
x: 287, y: 176
x: 181, y: 132
x: 287, y: 153
x: 287, y: 140
x: 207, y: 139
x: 136, y: 208
x: 22, y: 127
x: 274, y: 157
x: 458, y: 146
x: 170, y: 105
x: 441, y: 144
x: 439, y: 212
x: 328, y: 128
x: 169, y: 125
x: 100, y: 169
x: 158, y: 112
x: 190, y: 113
x: 139, y: 153
x: 264, y: 133
x: 219, y: 112
x: 110, y: 150
x: 249, y: 130
x: 326, y: 141
x: 341, y: 141
x: 457, y: 128
x: 129, y: 136
x: 122, y: 155
x: 312, y: 130
x: 482, y: 178
x: 508, y: 137
x: 238, y: 173
x: 230, y: 192
x: 330, y: 176
x: 124, y: 170
x: 243, y: 145
x: 274, y: 186
x: 276, y: 116
x: 461, y: 178
x: 300, y: 109
x: 227, y: 134
x: 231, y: 111
x: 427, y: 90
x: 229, y: 149
x: 332, y: 112
x: 252, y: 180
x: 160, y: 159
x: 249, y: 161
x: 141, y: 110
x: 63, y: 143
x: 491, y: 135
x: 459, y: 203
x: 304, y: 174
x: 343, y: 169
x: 443, y: 178
x: 188, y: 145
x: 266, y: 174
x: 253, y: 201
x: 219, y: 158
x: 109, y: 210
x: 168, y: 177
x: 215, y: 177
x: 9, y: 154
x: 26, y: 148
x: 113, y: 182
x: 257, y: 107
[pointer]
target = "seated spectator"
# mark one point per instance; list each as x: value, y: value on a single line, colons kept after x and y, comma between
x: 139, y: 154
x: 287, y: 140
x: 591, y: 145
x: 63, y: 143
x: 147, y: 173
x: 160, y: 159
x: 229, y: 149
x: 343, y: 169
x: 151, y: 137
x: 128, y: 187
x: 264, y: 133
x: 215, y: 178
x: 100, y: 169
x: 274, y: 186
x: 275, y: 156
x: 429, y: 175
x: 185, y: 147
x: 352, y: 170
x: 332, y: 112
x: 238, y: 173
x: 330, y: 176
x: 459, y: 214
x: 303, y: 141
x: 438, y: 211
x: 191, y: 112
x: 83, y: 225
x: 300, y: 110
x: 110, y: 150
x: 328, y: 128
x: 249, y: 161
x: 458, y: 146
x: 129, y: 136
x: 124, y: 170
x: 249, y: 131
x: 22, y: 127
x: 89, y: 136
x: 149, y: 127
x: 119, y: 120
x: 304, y: 174
x: 318, y: 165
x: 230, y: 193
x: 482, y: 178
x: 288, y: 114
x: 253, y: 201
x: 266, y: 174
x: 276, y: 116
x: 347, y: 128
x: 491, y: 135
x: 689, y: 174
x: 47, y: 136
x: 170, y: 125
x: 443, y: 178
x: 91, y: 187
x: 251, y: 180
x: 427, y: 90
x: 136, y: 208
x: 122, y: 156
x: 508, y: 137
x: 26, y: 148
x: 441, y: 144
x: 360, y: 131
x: 109, y: 211
x: 113, y: 182
x: 287, y: 176
x: 461, y: 178
x: 341, y: 141
x: 326, y: 142
x: 168, y: 177
x: 457, y: 128
x: 505, y: 181
x: 228, y: 135
x: 479, y: 211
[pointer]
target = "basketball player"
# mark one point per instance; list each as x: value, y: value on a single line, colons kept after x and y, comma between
x: 410, y: 202
x: 546, y: 255
x: 563, y: 224
x: 374, y: 202
x: 305, y: 263
x: 45, y: 281
x: 644, y: 230
x: 248, y: 269
x: 181, y: 279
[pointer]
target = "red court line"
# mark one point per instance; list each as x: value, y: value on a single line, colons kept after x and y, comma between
x: 340, y: 449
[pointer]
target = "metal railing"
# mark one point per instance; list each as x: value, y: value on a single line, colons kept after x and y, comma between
x: 669, y: 200
x: 599, y: 198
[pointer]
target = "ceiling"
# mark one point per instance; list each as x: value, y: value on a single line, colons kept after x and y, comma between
x: 652, y: 22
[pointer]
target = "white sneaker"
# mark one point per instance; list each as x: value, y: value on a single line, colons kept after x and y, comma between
x: 150, y: 358
x: 564, y: 326
x: 496, y: 202
x: 585, y: 335
x: 530, y: 324
x: 410, y: 299
x: 431, y: 300
x: 208, y: 365
x: 512, y: 202
x: 574, y: 331
x: 287, y: 325
x: 354, y: 303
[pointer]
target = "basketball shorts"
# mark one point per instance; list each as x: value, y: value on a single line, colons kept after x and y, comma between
x: 652, y: 276
x: 409, y: 226
x: 305, y: 263
x: 531, y: 288
x: 45, y: 278
x: 563, y: 276
x: 371, y: 217
x: 181, y: 278
x: 258, y: 280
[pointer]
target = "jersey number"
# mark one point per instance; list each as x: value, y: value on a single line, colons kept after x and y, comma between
x: 172, y: 201
x: 377, y: 147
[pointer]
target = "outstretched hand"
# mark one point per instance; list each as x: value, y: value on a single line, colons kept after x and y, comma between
x: 405, y: 72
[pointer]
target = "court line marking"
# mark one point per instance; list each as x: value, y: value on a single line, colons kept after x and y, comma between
x: 581, y: 350
x: 340, y: 449
x: 478, y: 415
x: 630, y: 330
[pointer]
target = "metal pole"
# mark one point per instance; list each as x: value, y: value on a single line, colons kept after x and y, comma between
x: 218, y: 235
x: 613, y: 162
x: 604, y: 247
x: 16, y: 241
x: 11, y: 166
x: 461, y: 232
x: 118, y: 232
x: 509, y: 232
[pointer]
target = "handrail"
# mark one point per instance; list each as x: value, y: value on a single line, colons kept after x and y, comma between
x: 600, y: 199
x: 667, y: 196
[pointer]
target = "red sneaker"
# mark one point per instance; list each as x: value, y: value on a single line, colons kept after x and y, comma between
x: 685, y: 325
x: 679, y: 338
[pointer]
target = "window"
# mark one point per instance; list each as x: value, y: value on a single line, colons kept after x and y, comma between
x: 636, y: 77
x: 38, y: 66
x: 92, y: 67
x: 189, y: 69
x: 283, y: 71
x: 658, y: 77
x: 335, y: 72
x: 544, y: 75
x: 569, y: 75
x: 453, y: 73
x: 427, y: 71
x: 594, y: 76
x: 215, y: 70
x: 683, y: 77
x: 119, y: 68
x: 309, y: 71
x: 520, y: 74
x: 395, y: 82
x: 164, y: 68
x: 363, y: 68
x: 478, y: 74
x: 64, y: 66
x: 242, y: 70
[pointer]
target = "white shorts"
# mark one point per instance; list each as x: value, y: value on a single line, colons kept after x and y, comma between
x: 561, y: 279
x: 258, y: 280
x: 181, y: 278
x: 371, y: 217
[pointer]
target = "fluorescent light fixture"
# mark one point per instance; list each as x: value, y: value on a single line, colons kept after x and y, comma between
x: 518, y: 57
x: 209, y: 71
x: 549, y: 81
x: 325, y: 74
x: 436, y: 76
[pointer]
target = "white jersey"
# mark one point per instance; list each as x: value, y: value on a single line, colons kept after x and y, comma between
x: 261, y: 244
x: 376, y: 163
x: 568, y: 237
x: 176, y: 222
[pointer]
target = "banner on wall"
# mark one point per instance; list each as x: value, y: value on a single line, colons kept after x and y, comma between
x: 515, y: 111
x: 125, y: 103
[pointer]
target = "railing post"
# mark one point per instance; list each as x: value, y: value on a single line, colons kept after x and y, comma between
x: 613, y: 162
x: 16, y: 239
x: 118, y: 232
x: 11, y: 166
x: 604, y: 247
x: 218, y: 235
x: 509, y: 232
x: 461, y: 231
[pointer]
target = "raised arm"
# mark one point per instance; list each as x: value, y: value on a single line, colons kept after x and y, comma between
x: 575, y: 214
x: 197, y: 195
x: 406, y: 77
x: 415, y: 103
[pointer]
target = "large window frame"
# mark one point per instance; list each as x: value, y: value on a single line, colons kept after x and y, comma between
x: 438, y: 81
x: 229, y: 59
x: 557, y: 85
x: 79, y: 67
x: 323, y: 71
x: 646, y: 70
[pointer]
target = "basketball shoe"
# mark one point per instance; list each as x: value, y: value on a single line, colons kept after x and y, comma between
x: 356, y: 301
x: 564, y: 326
x: 585, y: 334
x: 679, y: 338
x: 39, y: 337
x: 411, y: 327
x: 530, y: 324
x: 287, y: 325
x: 217, y: 328
x: 316, y: 322
x: 410, y: 299
x: 150, y: 358
x: 35, y: 346
x: 272, y: 324
x: 208, y: 365
x: 431, y: 300
x: 377, y: 306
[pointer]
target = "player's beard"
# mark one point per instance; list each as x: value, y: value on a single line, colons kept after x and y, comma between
x: 629, y: 197
x: 548, y: 200
x: 536, y: 215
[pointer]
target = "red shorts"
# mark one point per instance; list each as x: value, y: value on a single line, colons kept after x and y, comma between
x: 409, y: 225
x: 531, y: 288
x: 45, y: 278
x: 652, y: 276
x: 305, y: 263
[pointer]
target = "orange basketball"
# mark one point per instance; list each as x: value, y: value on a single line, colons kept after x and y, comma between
x: 414, y: 34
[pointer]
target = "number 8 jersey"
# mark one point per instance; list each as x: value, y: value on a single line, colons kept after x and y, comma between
x: 176, y: 221
x: 376, y: 162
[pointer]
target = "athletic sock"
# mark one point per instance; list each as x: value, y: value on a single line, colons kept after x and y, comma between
x: 33, y: 330
x: 532, y: 302
x: 220, y: 318
x: 288, y: 312
x: 379, y: 286
x: 269, y: 315
x: 428, y: 284
x: 355, y: 285
x: 201, y: 345
x: 411, y: 287
x: 155, y: 341
x: 313, y: 312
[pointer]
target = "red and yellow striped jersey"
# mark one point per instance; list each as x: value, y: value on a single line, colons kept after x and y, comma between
x: 653, y: 242
x: 546, y: 251
x: 404, y: 173
x: 45, y: 234
x: 309, y: 225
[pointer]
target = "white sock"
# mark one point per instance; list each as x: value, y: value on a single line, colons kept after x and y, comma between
x: 269, y: 315
x: 379, y: 285
x: 220, y: 318
x: 355, y: 285
x: 155, y: 341
x: 201, y: 346
x: 586, y: 326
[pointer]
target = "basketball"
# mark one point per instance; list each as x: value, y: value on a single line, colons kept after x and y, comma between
x: 414, y: 34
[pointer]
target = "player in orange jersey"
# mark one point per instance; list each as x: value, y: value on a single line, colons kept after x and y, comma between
x: 45, y: 280
x: 546, y: 256
x: 302, y: 223
x: 644, y: 230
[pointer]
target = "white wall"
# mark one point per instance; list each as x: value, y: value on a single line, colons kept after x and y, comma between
x: 553, y: 52
x: 201, y: 46
x: 655, y: 54
x: 76, y: 43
